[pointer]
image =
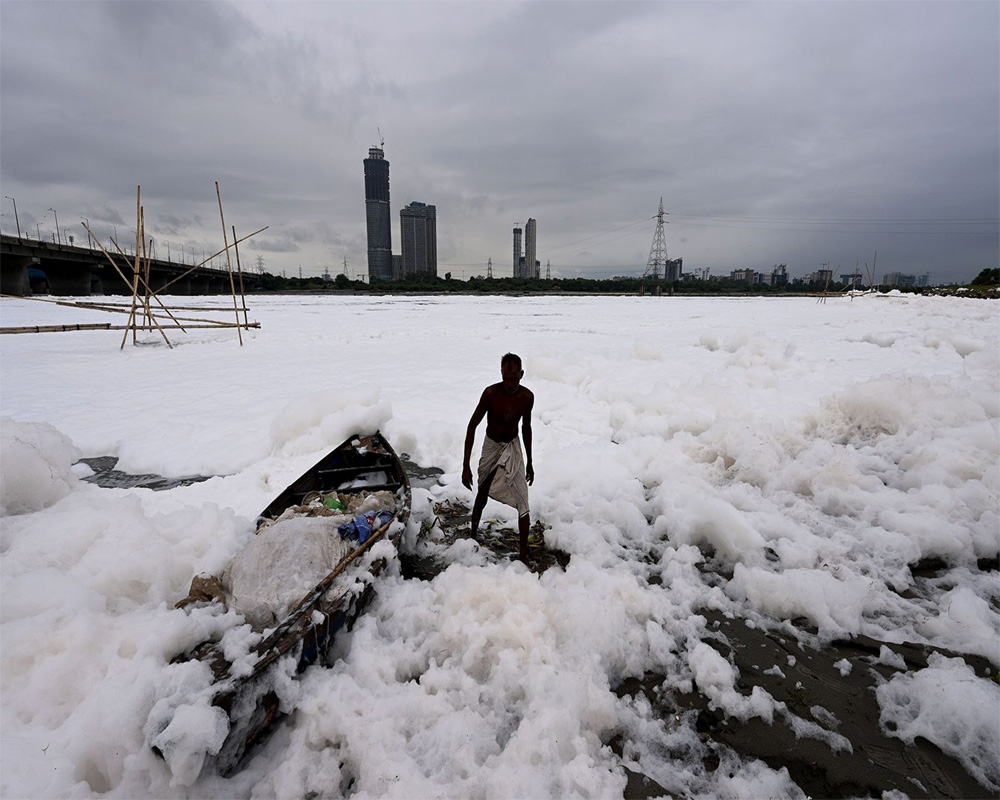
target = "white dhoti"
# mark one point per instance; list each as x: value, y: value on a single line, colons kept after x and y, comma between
x: 509, y: 484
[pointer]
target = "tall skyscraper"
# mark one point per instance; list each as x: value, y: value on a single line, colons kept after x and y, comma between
x: 530, y: 266
x: 378, y: 216
x: 418, y: 229
x: 517, y: 253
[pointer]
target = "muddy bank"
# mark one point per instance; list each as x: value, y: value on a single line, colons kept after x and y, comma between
x: 816, y: 686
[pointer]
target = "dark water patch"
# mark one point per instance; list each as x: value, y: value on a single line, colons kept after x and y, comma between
x: 500, y: 542
x: 107, y: 477
x: 815, y: 690
x: 930, y: 567
x: 420, y: 477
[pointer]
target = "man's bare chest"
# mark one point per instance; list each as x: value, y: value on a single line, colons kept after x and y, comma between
x: 507, y: 410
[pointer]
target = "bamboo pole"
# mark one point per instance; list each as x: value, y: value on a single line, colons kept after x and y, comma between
x: 239, y: 269
x: 229, y: 263
x: 94, y: 326
x: 145, y: 257
x: 107, y: 326
x: 144, y: 266
x: 135, y: 269
x: 108, y: 306
x: 118, y: 308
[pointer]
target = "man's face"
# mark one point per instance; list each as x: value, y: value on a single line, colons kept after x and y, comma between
x: 511, y: 374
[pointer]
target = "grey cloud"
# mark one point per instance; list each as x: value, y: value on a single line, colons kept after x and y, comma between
x: 579, y: 114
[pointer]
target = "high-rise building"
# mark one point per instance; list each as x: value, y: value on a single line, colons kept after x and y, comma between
x: 902, y: 279
x: 418, y: 229
x: 530, y: 265
x: 518, y: 258
x: 377, y: 216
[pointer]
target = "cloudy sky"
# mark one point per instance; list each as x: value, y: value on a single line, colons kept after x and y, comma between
x: 803, y: 133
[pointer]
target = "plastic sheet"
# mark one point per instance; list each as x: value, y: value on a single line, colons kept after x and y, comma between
x: 282, y: 563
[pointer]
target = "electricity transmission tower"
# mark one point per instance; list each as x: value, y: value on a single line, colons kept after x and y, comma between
x: 657, y: 264
x: 489, y: 268
x: 548, y: 270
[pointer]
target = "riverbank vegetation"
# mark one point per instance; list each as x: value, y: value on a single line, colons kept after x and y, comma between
x: 984, y: 285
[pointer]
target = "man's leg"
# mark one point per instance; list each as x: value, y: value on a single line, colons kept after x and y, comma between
x: 481, y: 497
x: 523, y: 526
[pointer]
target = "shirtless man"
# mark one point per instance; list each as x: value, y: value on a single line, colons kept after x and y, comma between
x: 503, y: 474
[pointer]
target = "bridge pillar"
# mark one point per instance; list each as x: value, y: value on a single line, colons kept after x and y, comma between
x: 113, y: 284
x: 218, y: 286
x: 67, y: 279
x: 14, y: 275
x: 198, y: 284
x: 157, y: 280
x: 181, y: 287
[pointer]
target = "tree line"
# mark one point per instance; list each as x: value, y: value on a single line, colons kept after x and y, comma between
x: 432, y: 284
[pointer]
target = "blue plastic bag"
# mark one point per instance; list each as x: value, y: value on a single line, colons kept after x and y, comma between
x: 361, y: 526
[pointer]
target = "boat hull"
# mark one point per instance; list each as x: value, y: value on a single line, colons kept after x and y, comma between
x: 361, y: 463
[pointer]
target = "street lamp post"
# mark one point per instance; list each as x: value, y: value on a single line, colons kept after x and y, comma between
x: 38, y: 231
x: 89, y: 242
x: 58, y: 234
x: 16, y: 220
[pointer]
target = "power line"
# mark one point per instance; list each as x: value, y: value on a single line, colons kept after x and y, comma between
x: 837, y: 220
x: 606, y: 233
x: 871, y: 228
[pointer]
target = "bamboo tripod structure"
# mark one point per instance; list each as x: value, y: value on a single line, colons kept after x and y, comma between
x: 143, y: 295
x: 826, y: 286
x: 871, y: 274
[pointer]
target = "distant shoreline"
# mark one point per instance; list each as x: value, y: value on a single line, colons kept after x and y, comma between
x: 990, y: 293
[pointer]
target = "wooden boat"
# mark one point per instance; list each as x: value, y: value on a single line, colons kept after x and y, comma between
x: 361, y: 464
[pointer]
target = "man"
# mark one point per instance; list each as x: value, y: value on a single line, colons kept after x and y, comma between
x: 502, y: 471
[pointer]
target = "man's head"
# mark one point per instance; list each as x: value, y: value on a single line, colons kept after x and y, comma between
x: 511, y: 372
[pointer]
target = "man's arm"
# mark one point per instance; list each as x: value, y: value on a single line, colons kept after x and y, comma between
x: 470, y: 436
x: 529, y: 470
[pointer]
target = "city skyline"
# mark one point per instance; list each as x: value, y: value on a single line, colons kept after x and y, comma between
x: 801, y: 134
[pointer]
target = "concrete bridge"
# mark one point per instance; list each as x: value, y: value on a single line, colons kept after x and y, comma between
x: 79, y: 271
